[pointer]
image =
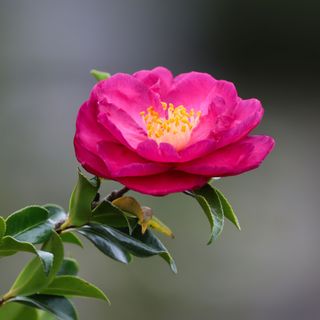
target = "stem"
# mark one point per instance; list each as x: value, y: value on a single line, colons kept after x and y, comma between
x: 116, y: 194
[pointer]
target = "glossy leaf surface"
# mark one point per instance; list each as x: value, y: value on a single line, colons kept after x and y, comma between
x: 16, y: 311
x: 32, y: 278
x: 10, y: 246
x: 228, y: 210
x: 80, y: 211
x: 210, y: 202
x: 61, y: 307
x: 29, y: 224
x: 74, y: 286
x: 136, y: 244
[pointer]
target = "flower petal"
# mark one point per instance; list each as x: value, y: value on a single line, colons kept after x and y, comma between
x: 246, y: 116
x: 122, y: 162
x: 217, y: 108
x: 120, y: 124
x: 88, y: 130
x: 158, y: 80
x: 190, y: 89
x: 90, y: 161
x: 164, y: 183
x: 163, y: 152
x: 244, y: 155
x: 127, y: 93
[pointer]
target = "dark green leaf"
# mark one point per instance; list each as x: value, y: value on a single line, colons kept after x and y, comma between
x: 9, y: 246
x: 100, y: 75
x: 2, y: 227
x: 227, y: 209
x: 105, y: 245
x: 74, y: 286
x: 70, y: 237
x: 151, y: 240
x: 16, y: 311
x: 59, y: 306
x: 29, y: 224
x: 124, y: 241
x: 69, y: 267
x: 80, y: 203
x: 110, y: 215
x: 211, y: 205
x: 32, y: 278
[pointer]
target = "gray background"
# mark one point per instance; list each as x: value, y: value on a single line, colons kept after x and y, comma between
x: 270, y: 50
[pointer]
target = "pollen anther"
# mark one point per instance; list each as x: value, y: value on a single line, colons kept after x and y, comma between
x: 174, y: 126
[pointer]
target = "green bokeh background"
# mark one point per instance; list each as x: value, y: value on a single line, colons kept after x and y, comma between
x: 270, y: 50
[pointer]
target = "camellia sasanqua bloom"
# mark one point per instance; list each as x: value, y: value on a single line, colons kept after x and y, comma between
x: 158, y: 134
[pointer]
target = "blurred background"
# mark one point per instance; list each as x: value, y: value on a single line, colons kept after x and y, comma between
x: 270, y: 50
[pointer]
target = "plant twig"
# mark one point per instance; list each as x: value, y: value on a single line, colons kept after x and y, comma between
x: 116, y: 194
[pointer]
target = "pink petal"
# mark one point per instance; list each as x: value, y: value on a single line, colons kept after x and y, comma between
x: 246, y: 116
x: 122, y: 162
x: 163, y: 152
x: 158, y: 80
x: 190, y: 89
x: 127, y: 93
x: 198, y: 149
x: 120, y: 124
x: 217, y: 109
x: 90, y: 161
x: 88, y: 130
x: 164, y: 183
x: 244, y: 155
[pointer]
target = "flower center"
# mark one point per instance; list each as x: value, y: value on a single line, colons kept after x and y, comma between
x: 174, y: 128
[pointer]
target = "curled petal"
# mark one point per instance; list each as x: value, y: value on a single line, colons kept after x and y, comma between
x: 122, y: 162
x: 120, y: 124
x: 246, y: 116
x: 242, y: 156
x: 164, y: 183
x: 158, y: 80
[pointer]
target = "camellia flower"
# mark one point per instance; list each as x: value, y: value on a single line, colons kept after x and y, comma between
x: 158, y: 134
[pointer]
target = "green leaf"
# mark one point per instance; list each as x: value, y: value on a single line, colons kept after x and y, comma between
x: 15, y: 311
x: 9, y: 246
x: 59, y: 306
x: 127, y: 243
x: 43, y: 315
x: 32, y: 278
x: 151, y: 240
x: 2, y: 227
x: 100, y: 75
x: 69, y: 267
x: 74, y: 286
x: 29, y: 224
x: 57, y: 214
x: 110, y: 215
x: 110, y: 248
x: 227, y: 209
x: 81, y: 199
x: 70, y: 237
x: 210, y: 202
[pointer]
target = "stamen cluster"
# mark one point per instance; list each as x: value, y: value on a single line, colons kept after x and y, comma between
x: 174, y: 128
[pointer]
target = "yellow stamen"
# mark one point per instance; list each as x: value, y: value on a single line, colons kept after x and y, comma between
x: 175, y: 127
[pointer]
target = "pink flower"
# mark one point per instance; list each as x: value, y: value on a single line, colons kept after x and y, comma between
x: 157, y: 134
